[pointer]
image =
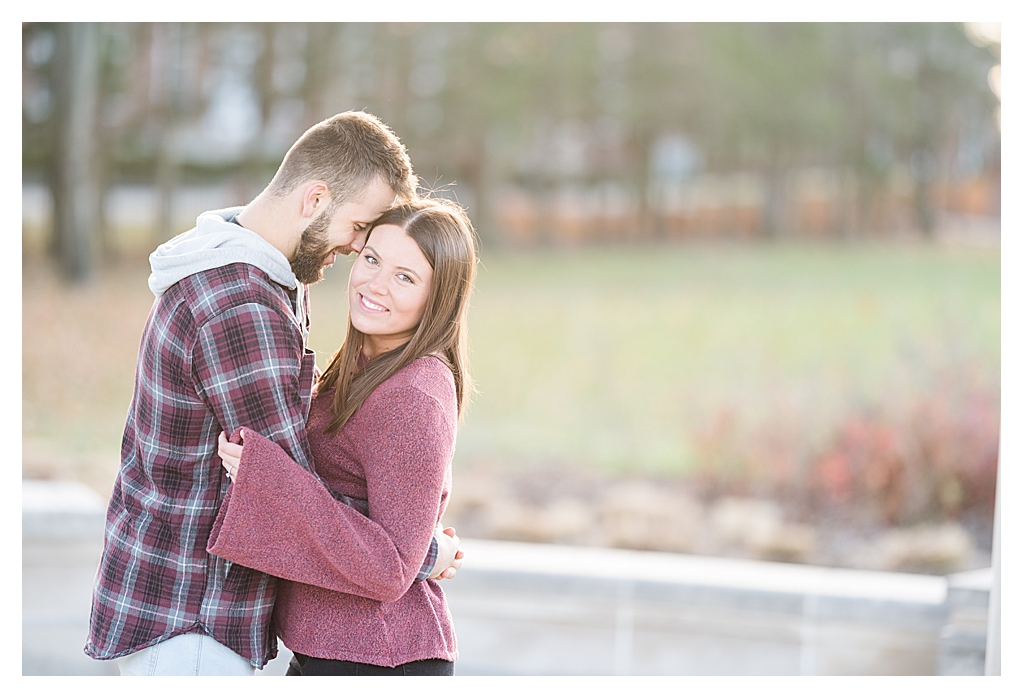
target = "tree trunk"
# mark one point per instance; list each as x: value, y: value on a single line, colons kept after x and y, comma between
x: 76, y: 191
x: 774, y: 206
x: 925, y: 215
x: 168, y: 176
x: 166, y: 56
x: 477, y: 173
x: 648, y: 223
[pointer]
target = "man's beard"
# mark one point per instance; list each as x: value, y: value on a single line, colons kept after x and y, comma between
x: 313, y: 248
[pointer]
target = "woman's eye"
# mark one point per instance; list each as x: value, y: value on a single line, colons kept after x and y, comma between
x: 370, y: 259
x: 405, y: 277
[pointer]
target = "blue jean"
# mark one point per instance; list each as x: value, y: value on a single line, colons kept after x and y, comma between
x: 192, y: 654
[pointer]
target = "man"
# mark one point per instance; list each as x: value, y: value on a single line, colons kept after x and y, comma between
x: 225, y: 346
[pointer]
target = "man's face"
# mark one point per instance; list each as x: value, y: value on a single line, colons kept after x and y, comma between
x: 343, y: 232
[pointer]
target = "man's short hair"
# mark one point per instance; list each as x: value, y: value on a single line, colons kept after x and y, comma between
x: 347, y: 151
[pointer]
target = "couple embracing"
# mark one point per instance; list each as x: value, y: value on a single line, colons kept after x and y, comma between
x: 259, y: 498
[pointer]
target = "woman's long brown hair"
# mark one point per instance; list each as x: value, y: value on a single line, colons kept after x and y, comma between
x: 444, y: 234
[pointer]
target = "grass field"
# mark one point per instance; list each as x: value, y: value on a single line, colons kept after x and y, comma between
x: 663, y: 360
x: 621, y: 359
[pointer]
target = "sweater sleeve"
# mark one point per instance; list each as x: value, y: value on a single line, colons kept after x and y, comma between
x: 278, y: 518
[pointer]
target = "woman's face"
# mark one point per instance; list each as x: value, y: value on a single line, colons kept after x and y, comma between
x: 388, y: 289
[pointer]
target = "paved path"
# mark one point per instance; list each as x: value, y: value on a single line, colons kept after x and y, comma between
x: 544, y: 609
x: 61, y: 545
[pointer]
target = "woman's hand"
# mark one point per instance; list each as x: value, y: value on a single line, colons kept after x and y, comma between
x: 449, y: 557
x: 230, y: 454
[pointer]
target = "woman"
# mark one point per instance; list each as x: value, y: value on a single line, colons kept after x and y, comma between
x: 382, y: 432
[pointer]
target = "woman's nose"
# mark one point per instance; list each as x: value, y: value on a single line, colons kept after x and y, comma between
x: 378, y: 284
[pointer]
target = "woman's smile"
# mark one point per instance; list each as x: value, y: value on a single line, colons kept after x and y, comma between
x: 370, y: 306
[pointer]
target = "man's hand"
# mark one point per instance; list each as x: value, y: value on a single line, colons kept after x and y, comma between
x: 449, y: 557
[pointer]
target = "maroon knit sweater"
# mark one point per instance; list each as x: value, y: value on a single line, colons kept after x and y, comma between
x: 351, y: 594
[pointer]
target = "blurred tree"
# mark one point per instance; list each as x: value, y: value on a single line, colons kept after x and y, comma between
x: 665, y: 90
x: 38, y: 44
x: 76, y: 191
x: 768, y: 93
x: 948, y: 85
x: 490, y: 108
x: 165, y: 45
x: 568, y: 115
x: 320, y: 45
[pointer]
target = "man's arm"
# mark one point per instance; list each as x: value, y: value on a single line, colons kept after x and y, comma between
x: 247, y: 365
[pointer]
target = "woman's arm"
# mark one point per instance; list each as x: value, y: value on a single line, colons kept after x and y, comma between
x: 280, y: 519
x: 443, y: 560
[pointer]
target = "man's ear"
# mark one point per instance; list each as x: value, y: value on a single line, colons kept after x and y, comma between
x: 315, y: 199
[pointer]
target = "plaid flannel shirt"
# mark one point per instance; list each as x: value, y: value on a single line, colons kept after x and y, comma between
x: 221, y: 349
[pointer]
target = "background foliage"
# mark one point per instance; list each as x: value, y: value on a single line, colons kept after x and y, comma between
x: 550, y: 132
x: 726, y: 267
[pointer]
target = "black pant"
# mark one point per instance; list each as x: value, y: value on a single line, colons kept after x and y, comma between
x: 301, y: 665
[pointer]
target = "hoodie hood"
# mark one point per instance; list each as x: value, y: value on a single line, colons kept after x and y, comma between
x: 216, y: 242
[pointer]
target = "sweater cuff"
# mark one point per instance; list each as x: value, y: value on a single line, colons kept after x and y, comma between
x: 431, y: 559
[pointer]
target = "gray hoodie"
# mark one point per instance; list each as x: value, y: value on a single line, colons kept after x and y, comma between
x: 215, y: 242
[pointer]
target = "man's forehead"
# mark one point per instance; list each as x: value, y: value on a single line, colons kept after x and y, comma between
x: 365, y: 209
